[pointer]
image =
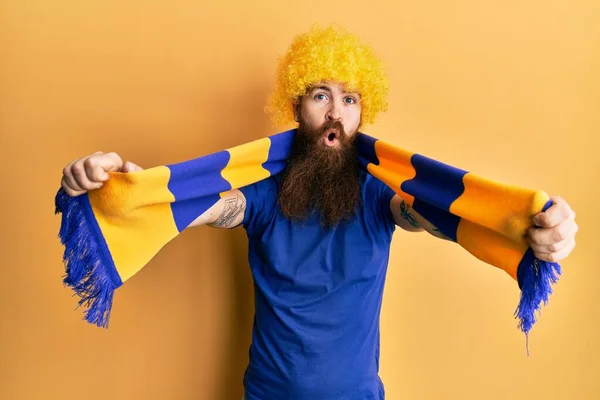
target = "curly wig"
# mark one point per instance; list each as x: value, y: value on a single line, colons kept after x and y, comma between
x: 328, y: 54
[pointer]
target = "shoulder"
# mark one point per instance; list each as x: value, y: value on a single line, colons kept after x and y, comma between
x: 261, y: 199
x: 376, y: 189
x: 377, y: 197
x: 267, y: 186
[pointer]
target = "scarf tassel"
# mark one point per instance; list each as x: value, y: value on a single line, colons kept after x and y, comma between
x: 87, y: 271
x: 535, y: 278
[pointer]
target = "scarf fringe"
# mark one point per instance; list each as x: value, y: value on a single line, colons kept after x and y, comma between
x: 535, y: 278
x: 87, y: 273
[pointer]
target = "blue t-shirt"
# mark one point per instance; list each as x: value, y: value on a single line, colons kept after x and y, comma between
x: 318, y: 296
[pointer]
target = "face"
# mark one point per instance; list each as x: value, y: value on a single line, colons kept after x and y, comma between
x: 322, y: 169
x: 329, y: 103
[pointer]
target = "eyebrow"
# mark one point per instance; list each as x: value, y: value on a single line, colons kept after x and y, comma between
x: 327, y: 88
x: 322, y: 87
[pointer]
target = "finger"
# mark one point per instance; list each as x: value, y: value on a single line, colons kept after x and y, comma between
x: 557, y: 212
x: 97, y: 166
x: 111, y: 162
x: 131, y: 167
x: 80, y: 175
x: 549, y: 248
x: 69, y: 179
x: 93, y: 171
x: 559, y: 255
x: 558, y: 233
x: 67, y: 188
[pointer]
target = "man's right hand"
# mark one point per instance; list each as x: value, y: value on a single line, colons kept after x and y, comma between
x: 90, y: 172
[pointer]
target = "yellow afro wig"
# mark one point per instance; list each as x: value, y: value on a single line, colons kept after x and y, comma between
x: 328, y: 54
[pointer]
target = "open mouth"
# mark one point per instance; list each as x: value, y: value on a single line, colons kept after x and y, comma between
x: 331, y: 137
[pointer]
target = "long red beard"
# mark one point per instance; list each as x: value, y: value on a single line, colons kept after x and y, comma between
x: 321, y: 179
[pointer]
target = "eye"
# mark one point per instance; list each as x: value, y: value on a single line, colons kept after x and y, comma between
x: 352, y: 100
x: 320, y: 96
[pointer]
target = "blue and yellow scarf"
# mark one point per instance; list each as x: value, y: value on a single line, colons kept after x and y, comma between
x: 110, y: 233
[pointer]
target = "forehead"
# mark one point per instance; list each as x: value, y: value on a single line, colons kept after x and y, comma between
x: 332, y: 86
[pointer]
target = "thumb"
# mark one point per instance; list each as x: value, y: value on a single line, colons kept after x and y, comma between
x: 131, y: 167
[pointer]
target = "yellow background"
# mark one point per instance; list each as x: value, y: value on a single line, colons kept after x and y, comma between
x: 507, y: 89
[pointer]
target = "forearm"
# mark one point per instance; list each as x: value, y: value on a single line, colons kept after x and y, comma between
x: 410, y: 220
x: 434, y: 231
x: 427, y: 226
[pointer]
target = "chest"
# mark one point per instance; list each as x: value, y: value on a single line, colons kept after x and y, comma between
x: 311, y: 257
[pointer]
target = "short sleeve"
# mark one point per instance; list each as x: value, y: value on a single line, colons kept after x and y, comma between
x: 381, y: 195
x: 261, y: 198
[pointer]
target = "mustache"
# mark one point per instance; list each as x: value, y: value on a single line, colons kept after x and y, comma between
x: 314, y: 135
x: 337, y: 125
x: 333, y: 125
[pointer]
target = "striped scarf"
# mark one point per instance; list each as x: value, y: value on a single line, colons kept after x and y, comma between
x: 110, y: 233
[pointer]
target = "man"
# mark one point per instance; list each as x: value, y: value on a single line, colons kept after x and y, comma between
x: 319, y: 233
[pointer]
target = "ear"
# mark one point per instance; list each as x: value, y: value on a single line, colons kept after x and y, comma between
x: 296, y: 108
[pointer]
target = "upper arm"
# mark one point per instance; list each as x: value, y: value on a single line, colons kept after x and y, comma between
x: 228, y: 212
x: 408, y: 219
x: 404, y: 216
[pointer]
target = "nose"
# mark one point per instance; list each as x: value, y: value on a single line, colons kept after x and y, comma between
x: 335, y: 112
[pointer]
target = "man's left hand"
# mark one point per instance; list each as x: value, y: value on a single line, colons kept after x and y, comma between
x: 553, y: 236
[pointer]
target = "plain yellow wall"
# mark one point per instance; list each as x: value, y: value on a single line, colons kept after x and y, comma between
x: 507, y: 89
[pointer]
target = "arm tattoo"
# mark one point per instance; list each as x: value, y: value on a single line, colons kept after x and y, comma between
x: 405, y: 213
x: 233, y: 207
